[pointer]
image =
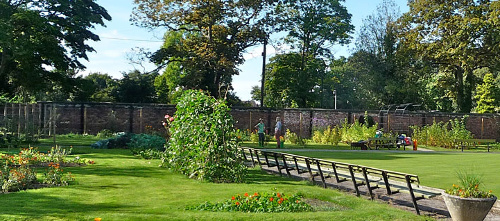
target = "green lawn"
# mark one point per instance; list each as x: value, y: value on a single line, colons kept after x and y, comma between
x: 122, y: 187
x: 435, y: 169
x: 68, y: 140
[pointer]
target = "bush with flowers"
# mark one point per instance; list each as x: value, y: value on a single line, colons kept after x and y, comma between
x: 203, y: 142
x: 258, y: 203
x: 18, y: 173
x: 469, y: 187
x: 55, y: 176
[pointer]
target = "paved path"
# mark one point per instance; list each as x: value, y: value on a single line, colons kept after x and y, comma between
x: 434, y: 207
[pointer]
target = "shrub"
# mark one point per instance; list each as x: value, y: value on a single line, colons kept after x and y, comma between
x: 317, y: 136
x: 142, y: 142
x: 118, y: 142
x: 258, y: 203
x: 356, y: 131
x: 17, y: 178
x: 291, y: 137
x: 105, y: 133
x: 55, y: 176
x: 254, y: 137
x: 203, y: 141
x: 439, y: 134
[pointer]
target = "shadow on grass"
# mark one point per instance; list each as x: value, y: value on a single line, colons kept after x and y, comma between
x: 128, y: 171
x: 257, y: 176
x: 38, y: 205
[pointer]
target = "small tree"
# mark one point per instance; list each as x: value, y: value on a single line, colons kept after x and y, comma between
x: 485, y: 95
x: 203, y: 140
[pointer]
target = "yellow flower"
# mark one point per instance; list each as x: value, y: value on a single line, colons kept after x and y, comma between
x: 97, y: 219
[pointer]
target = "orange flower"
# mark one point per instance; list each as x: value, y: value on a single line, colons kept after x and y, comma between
x: 237, y: 203
x: 233, y: 198
x: 246, y: 194
x: 271, y: 199
x: 279, y: 195
x: 97, y: 219
x: 255, y: 194
x: 297, y: 201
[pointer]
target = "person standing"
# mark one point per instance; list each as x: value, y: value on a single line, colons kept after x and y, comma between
x: 277, y: 131
x: 260, y: 130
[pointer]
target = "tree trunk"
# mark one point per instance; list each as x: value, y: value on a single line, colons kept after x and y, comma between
x: 459, y: 83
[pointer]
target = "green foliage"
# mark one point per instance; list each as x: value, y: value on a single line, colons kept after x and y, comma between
x: 105, y: 134
x: 18, y: 171
x: 142, y: 142
x: 254, y: 137
x: 17, y: 178
x: 203, y: 140
x: 458, y: 36
x: 42, y: 41
x: 136, y: 87
x: 212, y: 37
x: 258, y: 203
x: 293, y: 138
x: 8, y: 139
x: 288, y: 84
x: 54, y: 176
x: 118, y: 141
x: 442, y: 134
x: 356, y: 131
x: 469, y: 186
x: 485, y: 95
x: 101, y: 87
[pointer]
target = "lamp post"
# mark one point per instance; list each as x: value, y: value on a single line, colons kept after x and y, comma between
x: 335, y: 96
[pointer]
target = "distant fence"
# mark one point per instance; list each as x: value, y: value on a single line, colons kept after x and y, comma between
x: 47, y: 118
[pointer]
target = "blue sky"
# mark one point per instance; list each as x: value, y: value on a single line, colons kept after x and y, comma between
x: 120, y: 38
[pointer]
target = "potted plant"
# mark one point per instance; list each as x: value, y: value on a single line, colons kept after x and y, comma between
x: 466, y: 201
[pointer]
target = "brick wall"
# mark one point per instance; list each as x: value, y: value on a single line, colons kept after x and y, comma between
x: 94, y: 117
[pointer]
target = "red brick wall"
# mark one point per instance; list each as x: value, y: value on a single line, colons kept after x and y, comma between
x: 94, y: 117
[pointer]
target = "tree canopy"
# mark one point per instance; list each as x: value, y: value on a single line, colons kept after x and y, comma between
x: 458, y: 36
x: 207, y: 38
x: 41, y: 41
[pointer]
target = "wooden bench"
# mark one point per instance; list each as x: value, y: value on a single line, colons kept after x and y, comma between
x: 371, y: 178
x: 384, y: 142
x: 466, y: 143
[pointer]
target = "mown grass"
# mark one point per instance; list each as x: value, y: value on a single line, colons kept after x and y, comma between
x: 123, y: 187
x: 435, y: 169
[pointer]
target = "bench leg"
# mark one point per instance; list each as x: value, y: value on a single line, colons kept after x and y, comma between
x: 286, y: 165
x: 410, y: 189
x: 351, y: 171
x: 321, y: 174
x: 277, y: 163
x: 308, y: 164
x: 365, y: 175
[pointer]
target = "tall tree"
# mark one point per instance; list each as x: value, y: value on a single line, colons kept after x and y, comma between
x: 459, y: 36
x: 210, y: 37
x: 313, y: 26
x: 136, y: 87
x: 39, y: 37
x: 290, y: 85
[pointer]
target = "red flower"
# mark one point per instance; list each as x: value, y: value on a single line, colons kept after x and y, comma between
x: 279, y: 195
x: 255, y: 194
x: 246, y: 194
x: 237, y: 203
x: 271, y: 199
x: 233, y: 198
